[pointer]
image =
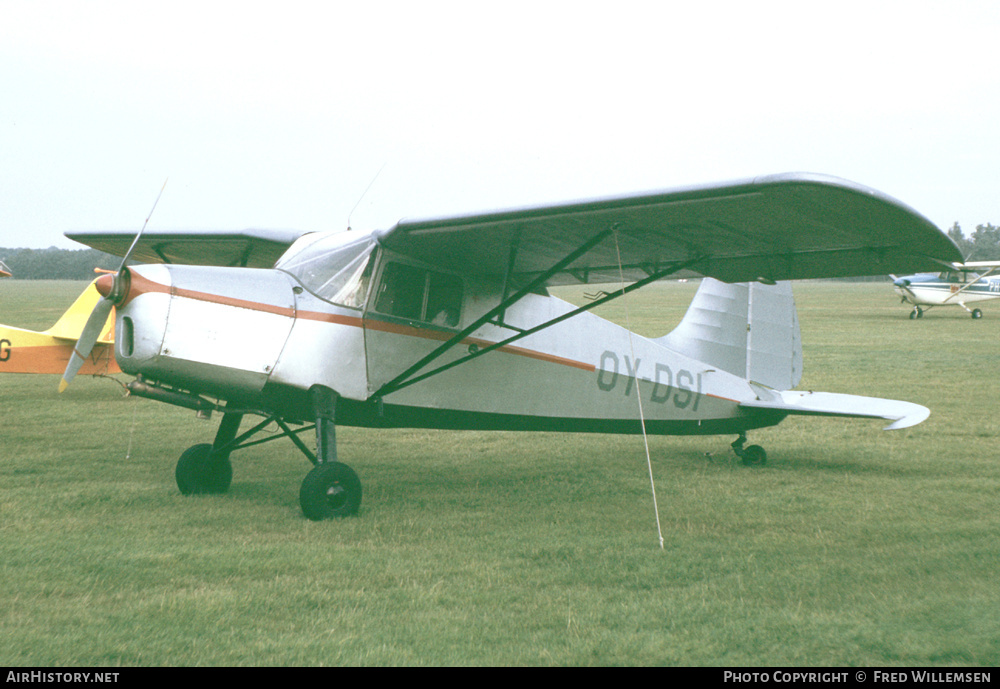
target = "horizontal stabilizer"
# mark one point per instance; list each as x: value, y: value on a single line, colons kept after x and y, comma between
x: 902, y: 414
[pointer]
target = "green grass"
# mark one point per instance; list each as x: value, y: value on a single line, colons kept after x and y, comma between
x: 852, y: 546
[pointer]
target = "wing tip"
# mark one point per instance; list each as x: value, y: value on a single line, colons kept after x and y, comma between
x: 917, y: 414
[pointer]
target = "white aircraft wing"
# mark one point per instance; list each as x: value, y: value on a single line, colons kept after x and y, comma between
x: 978, y: 265
x: 782, y: 227
x: 247, y: 248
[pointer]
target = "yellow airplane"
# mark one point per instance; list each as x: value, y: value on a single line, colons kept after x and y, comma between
x: 28, y: 351
x: 4, y: 270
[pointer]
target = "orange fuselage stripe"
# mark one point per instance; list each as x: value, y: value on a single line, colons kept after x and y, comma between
x: 143, y: 285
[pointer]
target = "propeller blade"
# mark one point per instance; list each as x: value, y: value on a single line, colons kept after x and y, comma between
x: 99, y: 316
x: 88, y: 338
x: 128, y: 254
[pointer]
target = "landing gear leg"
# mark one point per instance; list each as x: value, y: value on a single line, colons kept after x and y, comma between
x: 206, y: 469
x: 753, y: 455
x: 975, y: 313
x: 331, y: 489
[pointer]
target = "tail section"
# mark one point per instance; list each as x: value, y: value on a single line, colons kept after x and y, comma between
x: 750, y: 330
x: 902, y: 414
x: 70, y: 324
x: 28, y: 351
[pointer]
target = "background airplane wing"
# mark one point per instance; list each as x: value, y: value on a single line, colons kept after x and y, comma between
x: 782, y: 227
x: 247, y: 248
x: 978, y: 265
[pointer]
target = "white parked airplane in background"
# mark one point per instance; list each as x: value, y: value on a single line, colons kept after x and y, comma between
x: 448, y: 323
x: 962, y: 284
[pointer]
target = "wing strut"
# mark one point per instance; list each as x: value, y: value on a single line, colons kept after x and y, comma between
x: 509, y: 269
x: 397, y: 382
x: 405, y: 380
x: 967, y: 286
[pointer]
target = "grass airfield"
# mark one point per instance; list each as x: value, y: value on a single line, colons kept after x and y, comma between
x: 852, y: 546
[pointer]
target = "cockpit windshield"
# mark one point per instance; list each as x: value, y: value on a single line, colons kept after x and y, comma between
x: 334, y: 267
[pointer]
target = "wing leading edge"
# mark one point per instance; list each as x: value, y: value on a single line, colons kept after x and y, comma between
x: 246, y: 248
x: 782, y: 227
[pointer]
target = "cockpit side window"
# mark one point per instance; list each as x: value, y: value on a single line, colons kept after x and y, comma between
x: 401, y: 292
x: 444, y: 299
x: 418, y: 294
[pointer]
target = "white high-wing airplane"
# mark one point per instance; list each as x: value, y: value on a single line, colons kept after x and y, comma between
x: 448, y: 323
x: 960, y: 284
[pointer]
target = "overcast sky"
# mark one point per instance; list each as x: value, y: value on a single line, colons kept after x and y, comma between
x: 280, y: 114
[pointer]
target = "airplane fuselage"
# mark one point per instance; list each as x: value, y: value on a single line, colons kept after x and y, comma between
x: 939, y: 289
x: 258, y: 339
x: 958, y: 287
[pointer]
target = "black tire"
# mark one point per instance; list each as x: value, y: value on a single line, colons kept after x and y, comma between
x: 330, y: 491
x: 976, y: 313
x: 199, y: 472
x: 753, y: 456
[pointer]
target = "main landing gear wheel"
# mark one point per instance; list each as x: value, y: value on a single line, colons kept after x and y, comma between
x: 976, y: 313
x: 917, y: 312
x: 331, y: 490
x: 199, y: 471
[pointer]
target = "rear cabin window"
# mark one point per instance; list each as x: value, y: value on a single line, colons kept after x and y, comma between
x: 418, y: 294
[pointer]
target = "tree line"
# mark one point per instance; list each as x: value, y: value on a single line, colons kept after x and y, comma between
x: 57, y: 264
x: 983, y: 245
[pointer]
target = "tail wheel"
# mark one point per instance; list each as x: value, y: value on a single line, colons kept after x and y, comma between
x: 199, y: 471
x: 330, y: 491
x: 754, y: 455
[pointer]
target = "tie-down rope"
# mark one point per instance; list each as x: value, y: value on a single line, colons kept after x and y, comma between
x: 638, y: 391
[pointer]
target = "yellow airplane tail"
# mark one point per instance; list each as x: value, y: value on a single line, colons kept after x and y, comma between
x: 70, y: 324
x: 28, y: 351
